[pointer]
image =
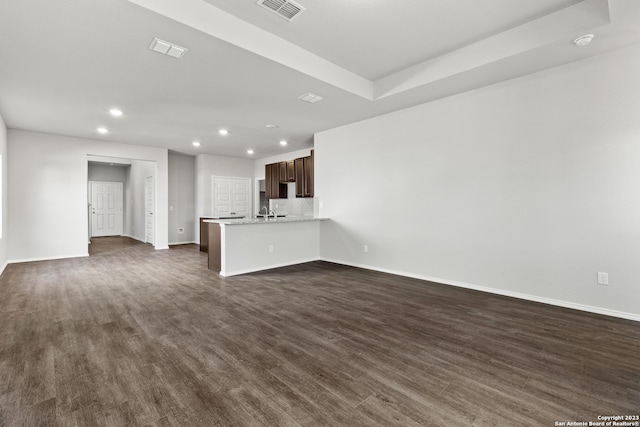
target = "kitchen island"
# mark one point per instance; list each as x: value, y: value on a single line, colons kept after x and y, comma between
x: 238, y: 246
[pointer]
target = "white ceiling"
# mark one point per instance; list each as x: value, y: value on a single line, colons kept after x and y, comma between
x: 376, y: 38
x: 65, y: 63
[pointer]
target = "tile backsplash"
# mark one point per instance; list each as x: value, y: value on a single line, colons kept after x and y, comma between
x: 293, y: 206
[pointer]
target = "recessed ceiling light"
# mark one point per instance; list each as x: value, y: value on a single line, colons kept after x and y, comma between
x: 115, y: 112
x: 249, y: 151
x: 283, y: 142
x: 196, y: 144
x: 167, y: 48
x: 583, y: 40
x: 223, y: 132
x: 102, y: 130
x: 311, y: 97
x: 271, y: 126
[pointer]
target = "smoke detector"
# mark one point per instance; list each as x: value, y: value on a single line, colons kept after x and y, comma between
x: 285, y: 9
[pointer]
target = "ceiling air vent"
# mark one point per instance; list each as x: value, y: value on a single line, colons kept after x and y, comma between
x: 283, y: 8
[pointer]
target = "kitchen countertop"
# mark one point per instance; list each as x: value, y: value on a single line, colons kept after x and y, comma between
x: 245, y: 221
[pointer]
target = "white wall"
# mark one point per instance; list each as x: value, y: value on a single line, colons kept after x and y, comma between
x: 48, y: 192
x: 526, y: 188
x: 4, y: 198
x: 181, y: 198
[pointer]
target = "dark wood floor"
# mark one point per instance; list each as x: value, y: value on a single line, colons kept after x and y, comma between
x: 134, y: 336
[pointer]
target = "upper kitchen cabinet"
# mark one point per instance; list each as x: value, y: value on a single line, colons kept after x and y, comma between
x: 304, y: 176
x: 274, y: 189
x: 300, y: 171
x: 287, y: 172
x: 308, y: 175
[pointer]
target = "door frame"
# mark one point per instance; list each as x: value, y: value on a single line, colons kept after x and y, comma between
x: 150, y: 178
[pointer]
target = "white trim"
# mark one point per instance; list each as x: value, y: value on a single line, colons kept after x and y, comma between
x: 18, y: 261
x: 267, y: 267
x: 528, y: 297
x: 3, y: 268
x: 160, y: 248
x: 182, y: 243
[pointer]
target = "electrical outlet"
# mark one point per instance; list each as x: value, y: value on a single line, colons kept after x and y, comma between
x: 180, y: 230
x: 365, y: 249
x: 270, y: 248
x: 603, y: 278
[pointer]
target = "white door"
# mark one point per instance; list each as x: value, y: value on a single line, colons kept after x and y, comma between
x: 106, y: 208
x: 148, y: 210
x: 230, y: 196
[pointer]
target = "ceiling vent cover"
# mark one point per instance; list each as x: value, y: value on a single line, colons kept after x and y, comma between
x: 285, y: 9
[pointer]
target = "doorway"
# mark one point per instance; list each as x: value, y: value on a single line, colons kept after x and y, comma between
x: 106, y: 208
x: 138, y: 200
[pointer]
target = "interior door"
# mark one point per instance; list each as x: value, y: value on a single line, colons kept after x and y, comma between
x: 231, y: 196
x: 148, y: 210
x: 241, y: 196
x: 106, y: 209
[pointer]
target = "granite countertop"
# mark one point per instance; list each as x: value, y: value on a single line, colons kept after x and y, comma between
x: 243, y: 221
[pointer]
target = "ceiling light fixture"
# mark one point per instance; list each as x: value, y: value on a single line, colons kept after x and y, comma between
x: 249, y: 151
x: 195, y: 144
x: 102, y: 130
x: 283, y: 142
x: 167, y: 48
x: 223, y: 132
x: 583, y: 40
x: 311, y: 97
x: 271, y: 126
x: 115, y: 112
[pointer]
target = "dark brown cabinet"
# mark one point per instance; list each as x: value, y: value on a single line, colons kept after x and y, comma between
x: 286, y: 171
x: 274, y: 189
x: 291, y: 173
x: 300, y: 171
x: 304, y: 176
x: 308, y: 175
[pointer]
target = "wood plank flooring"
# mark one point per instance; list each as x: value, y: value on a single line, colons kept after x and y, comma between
x: 134, y: 336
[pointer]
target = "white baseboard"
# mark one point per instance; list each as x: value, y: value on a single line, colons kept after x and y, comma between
x: 267, y: 267
x: 160, y: 248
x: 21, y: 260
x: 183, y: 243
x: 528, y: 297
x: 3, y: 268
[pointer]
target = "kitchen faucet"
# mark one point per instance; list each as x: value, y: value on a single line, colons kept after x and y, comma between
x: 273, y: 212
